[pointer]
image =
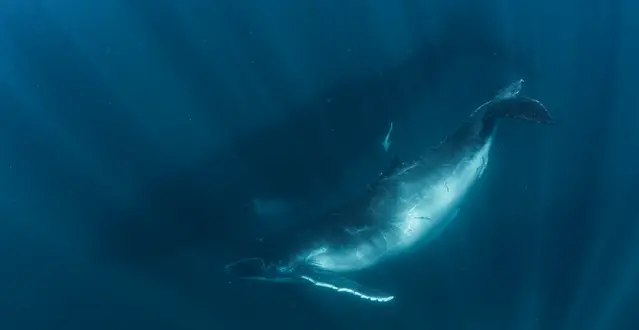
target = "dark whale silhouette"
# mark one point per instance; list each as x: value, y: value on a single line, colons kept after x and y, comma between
x: 408, y: 205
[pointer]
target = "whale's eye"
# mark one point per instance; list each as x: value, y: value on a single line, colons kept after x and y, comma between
x: 282, y: 267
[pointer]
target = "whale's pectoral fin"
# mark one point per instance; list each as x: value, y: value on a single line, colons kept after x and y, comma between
x: 337, y: 283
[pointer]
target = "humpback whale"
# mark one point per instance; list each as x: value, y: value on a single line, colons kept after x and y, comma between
x: 408, y: 205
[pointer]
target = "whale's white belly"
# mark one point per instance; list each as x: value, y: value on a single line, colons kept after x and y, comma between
x: 424, y: 206
x: 428, y: 205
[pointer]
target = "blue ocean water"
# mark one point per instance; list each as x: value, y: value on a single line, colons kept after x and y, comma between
x: 143, y: 142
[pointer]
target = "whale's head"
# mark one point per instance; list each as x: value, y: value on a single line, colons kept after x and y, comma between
x: 259, y: 269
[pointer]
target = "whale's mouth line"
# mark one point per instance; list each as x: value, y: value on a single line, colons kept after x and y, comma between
x: 270, y: 279
x: 228, y: 267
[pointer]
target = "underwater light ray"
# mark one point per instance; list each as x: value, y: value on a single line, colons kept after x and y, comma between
x: 596, y: 257
x: 540, y: 187
x: 584, y: 283
x: 47, y: 103
x: 129, y: 55
x: 592, y: 299
x: 544, y: 216
x: 624, y: 283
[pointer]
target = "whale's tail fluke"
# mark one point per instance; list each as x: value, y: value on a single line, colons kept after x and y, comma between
x: 508, y: 103
x: 519, y: 107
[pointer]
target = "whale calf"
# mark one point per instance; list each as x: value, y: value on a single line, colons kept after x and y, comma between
x: 408, y: 205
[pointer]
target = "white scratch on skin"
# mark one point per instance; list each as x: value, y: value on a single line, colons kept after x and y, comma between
x: 430, y: 203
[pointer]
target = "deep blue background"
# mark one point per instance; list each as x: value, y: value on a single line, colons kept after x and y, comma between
x: 138, y: 137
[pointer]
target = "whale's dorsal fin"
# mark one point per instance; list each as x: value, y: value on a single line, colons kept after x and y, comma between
x: 340, y: 284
